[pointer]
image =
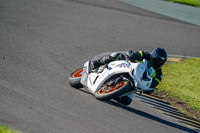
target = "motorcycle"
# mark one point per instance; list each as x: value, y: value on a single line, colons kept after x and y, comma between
x: 115, y: 80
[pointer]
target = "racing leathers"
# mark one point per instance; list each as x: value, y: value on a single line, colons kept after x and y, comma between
x: 133, y: 56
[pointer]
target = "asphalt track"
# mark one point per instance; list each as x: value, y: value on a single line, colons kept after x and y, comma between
x: 43, y: 41
x: 179, y: 11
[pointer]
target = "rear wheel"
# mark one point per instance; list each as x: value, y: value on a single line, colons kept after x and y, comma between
x: 75, y: 78
x: 109, y: 92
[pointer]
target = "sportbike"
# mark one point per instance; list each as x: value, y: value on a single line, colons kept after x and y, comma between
x: 117, y: 79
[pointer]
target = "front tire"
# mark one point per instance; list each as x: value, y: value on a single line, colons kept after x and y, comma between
x: 75, y: 78
x: 110, y: 92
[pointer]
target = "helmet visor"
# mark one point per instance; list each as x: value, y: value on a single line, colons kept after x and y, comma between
x: 158, y: 62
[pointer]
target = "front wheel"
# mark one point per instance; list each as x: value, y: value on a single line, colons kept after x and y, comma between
x: 109, y: 92
x: 75, y: 78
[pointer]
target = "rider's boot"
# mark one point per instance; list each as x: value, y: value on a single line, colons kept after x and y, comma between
x: 94, y: 64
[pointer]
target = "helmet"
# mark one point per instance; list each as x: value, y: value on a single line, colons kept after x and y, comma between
x: 158, y: 57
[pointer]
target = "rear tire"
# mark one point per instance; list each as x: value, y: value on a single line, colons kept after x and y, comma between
x: 113, y: 92
x: 75, y: 78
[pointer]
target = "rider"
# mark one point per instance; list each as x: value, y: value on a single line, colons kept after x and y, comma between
x: 157, y: 59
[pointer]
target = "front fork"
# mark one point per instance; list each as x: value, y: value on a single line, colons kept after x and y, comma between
x: 133, y: 91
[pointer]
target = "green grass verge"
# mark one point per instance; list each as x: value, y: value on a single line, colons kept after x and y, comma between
x: 182, y: 81
x: 4, y: 129
x: 195, y: 3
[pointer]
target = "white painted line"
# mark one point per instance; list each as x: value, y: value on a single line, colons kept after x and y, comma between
x: 181, y: 56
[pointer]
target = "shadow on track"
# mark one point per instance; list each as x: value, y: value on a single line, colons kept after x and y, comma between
x: 149, y: 116
x: 144, y: 114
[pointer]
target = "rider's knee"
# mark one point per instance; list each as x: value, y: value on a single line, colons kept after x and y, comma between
x: 124, y: 100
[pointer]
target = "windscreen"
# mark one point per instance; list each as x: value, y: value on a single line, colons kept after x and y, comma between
x: 145, y: 76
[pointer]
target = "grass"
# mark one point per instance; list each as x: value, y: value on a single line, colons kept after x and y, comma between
x: 195, y: 3
x: 182, y: 81
x: 4, y: 129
